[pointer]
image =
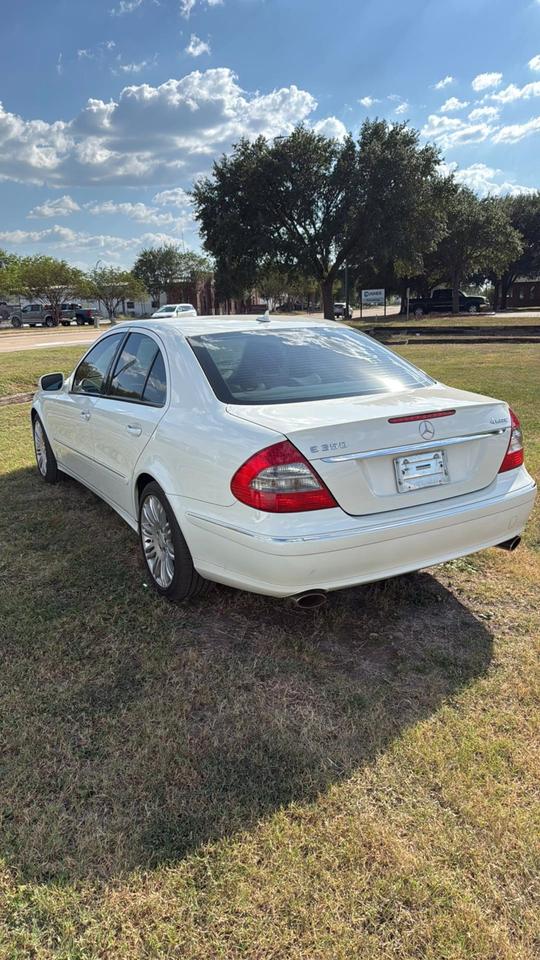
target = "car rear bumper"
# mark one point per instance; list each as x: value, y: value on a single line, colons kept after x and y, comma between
x: 282, y: 555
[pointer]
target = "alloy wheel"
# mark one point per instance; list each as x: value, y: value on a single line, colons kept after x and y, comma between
x: 40, y: 447
x: 157, y: 541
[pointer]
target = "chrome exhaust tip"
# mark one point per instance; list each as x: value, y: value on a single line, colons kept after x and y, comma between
x: 511, y: 544
x: 310, y: 600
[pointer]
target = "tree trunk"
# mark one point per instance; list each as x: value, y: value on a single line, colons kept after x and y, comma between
x: 455, y: 293
x: 327, y: 294
x: 506, y: 283
x: 496, y: 294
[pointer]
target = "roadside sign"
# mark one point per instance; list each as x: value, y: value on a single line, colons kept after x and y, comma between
x: 373, y: 298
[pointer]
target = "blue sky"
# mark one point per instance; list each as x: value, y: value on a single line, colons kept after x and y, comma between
x: 111, y: 108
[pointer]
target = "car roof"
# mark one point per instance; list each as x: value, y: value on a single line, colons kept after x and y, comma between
x: 172, y: 305
x: 195, y: 326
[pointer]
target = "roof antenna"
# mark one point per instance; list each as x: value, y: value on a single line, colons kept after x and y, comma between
x: 265, y: 317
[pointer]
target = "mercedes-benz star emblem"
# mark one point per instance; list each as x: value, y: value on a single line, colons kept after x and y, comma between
x: 427, y: 430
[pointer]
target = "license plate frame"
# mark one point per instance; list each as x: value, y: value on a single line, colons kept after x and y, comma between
x: 420, y: 470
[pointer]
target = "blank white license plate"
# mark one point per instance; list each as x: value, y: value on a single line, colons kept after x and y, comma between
x: 421, y: 470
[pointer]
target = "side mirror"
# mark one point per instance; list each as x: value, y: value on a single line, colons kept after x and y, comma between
x: 51, y: 381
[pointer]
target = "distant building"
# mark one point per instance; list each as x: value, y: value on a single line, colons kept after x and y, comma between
x: 524, y: 292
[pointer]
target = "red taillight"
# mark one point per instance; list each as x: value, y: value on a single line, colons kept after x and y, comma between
x: 514, y: 455
x: 279, y: 479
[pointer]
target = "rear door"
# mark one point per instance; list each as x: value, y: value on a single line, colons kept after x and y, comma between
x: 125, y: 418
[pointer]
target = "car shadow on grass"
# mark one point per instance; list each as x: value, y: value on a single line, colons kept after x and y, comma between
x: 133, y: 730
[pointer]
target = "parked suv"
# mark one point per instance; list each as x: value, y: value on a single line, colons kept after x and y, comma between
x: 34, y: 314
x: 340, y: 310
x: 440, y: 301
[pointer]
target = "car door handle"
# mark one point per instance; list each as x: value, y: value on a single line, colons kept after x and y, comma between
x: 134, y: 429
x: 85, y: 415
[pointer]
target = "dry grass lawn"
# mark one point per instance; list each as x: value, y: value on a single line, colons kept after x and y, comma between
x: 234, y: 779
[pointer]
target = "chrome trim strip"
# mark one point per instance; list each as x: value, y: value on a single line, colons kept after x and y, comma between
x: 375, y: 528
x: 409, y: 447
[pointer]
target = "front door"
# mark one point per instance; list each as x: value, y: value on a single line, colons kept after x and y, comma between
x: 68, y: 414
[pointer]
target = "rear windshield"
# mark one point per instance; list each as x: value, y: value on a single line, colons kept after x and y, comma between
x: 267, y: 366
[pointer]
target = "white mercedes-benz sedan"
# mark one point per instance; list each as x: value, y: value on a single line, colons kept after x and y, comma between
x: 287, y: 457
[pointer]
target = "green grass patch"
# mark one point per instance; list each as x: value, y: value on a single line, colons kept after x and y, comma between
x: 234, y: 779
x: 21, y: 370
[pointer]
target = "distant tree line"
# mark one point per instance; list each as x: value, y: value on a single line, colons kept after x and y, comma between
x: 53, y: 282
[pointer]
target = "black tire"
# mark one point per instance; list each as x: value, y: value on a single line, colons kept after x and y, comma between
x: 186, y: 583
x: 49, y: 322
x: 418, y: 312
x: 48, y: 471
x: 473, y: 309
x: 66, y: 323
x: 16, y: 322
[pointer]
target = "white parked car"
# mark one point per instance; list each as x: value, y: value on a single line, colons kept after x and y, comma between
x: 285, y: 457
x: 171, y: 311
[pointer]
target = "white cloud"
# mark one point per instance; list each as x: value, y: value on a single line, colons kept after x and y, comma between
x: 62, y: 207
x: 453, y: 104
x: 149, y: 134
x: 511, y: 92
x: 448, y: 132
x: 331, y: 127
x: 196, y: 46
x: 484, y: 180
x: 139, y: 212
x: 402, y: 108
x: 108, y: 245
x: 534, y: 63
x: 484, y: 81
x: 484, y: 113
x: 445, y: 82
x: 60, y: 64
x: 136, y: 67
x: 176, y: 197
x: 368, y: 101
x: 125, y: 6
x: 186, y: 6
x: 85, y: 54
x: 517, y: 131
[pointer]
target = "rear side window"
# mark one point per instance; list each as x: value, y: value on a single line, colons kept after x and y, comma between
x: 312, y: 363
x: 92, y: 371
x: 133, y: 368
x: 155, y: 390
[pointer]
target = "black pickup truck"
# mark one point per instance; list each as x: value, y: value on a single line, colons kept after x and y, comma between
x: 440, y: 301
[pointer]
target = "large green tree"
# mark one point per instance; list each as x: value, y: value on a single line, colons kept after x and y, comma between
x: 479, y: 241
x: 45, y: 279
x: 111, y: 286
x: 311, y: 203
x: 523, y: 212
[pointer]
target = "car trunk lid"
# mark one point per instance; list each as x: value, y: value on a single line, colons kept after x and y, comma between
x: 383, y: 452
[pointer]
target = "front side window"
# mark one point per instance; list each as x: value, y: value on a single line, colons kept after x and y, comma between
x: 92, y: 371
x: 263, y: 366
x: 133, y: 367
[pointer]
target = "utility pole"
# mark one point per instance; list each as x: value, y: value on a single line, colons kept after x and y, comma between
x: 346, y: 290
